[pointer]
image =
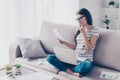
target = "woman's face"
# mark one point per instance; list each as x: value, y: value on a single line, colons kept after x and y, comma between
x: 81, y: 19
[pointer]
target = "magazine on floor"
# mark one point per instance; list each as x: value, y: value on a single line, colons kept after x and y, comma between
x: 110, y: 75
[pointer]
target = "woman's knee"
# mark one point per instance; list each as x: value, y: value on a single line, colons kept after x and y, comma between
x: 51, y: 58
x: 85, y: 67
x: 87, y: 64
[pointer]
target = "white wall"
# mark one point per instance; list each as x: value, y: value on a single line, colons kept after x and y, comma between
x: 64, y: 11
x: 94, y: 6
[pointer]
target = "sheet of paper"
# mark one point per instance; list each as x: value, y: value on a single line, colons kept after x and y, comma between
x: 36, y: 76
x: 42, y: 62
x: 58, y: 35
x: 110, y: 75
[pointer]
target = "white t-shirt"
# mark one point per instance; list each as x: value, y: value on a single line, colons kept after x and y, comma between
x: 80, y: 50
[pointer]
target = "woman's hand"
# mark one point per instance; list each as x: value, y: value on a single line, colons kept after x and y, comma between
x: 61, y: 41
x: 72, y: 46
x: 82, y: 29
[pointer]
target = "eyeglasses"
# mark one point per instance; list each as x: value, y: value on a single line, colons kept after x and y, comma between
x: 80, y: 18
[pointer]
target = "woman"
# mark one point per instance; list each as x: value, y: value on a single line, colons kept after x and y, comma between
x: 85, y: 40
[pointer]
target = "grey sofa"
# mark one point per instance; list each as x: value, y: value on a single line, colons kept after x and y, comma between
x: 106, y: 55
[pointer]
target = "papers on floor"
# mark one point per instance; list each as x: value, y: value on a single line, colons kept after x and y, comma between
x: 110, y: 75
x: 58, y: 35
x: 36, y: 76
x: 42, y: 61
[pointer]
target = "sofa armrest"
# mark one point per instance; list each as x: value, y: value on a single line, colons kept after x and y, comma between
x: 14, y: 52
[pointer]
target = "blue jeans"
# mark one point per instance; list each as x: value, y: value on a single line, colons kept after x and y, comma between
x: 83, y: 67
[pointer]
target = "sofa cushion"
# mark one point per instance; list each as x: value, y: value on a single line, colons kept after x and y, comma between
x: 49, y: 39
x: 31, y: 48
x: 39, y: 63
x: 93, y: 75
x: 107, y: 52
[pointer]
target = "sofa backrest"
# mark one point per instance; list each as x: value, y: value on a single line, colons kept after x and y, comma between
x: 107, y: 51
x: 49, y: 39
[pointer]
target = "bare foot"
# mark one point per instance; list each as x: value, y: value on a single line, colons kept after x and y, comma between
x: 73, y: 73
x: 77, y: 74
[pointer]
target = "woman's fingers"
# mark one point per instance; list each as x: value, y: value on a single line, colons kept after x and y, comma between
x: 61, y: 41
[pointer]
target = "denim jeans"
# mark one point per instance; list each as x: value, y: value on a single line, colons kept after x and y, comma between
x: 83, y: 67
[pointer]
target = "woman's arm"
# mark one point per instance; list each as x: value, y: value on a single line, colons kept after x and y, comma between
x: 88, y: 43
x: 72, y: 46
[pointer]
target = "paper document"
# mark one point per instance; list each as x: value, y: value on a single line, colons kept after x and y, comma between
x: 42, y: 62
x: 58, y: 35
x: 110, y: 75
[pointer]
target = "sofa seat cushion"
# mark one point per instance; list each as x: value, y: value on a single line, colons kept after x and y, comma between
x: 93, y: 75
x: 39, y: 63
